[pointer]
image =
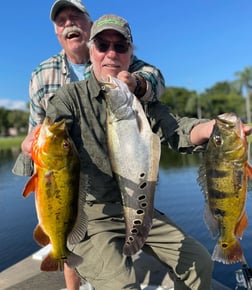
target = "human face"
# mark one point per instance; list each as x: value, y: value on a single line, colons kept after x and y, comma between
x: 73, y: 30
x: 109, y: 62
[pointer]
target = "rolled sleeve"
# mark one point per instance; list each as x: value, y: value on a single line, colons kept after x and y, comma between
x: 155, y: 83
x: 173, y: 131
x: 23, y: 165
x: 185, y: 126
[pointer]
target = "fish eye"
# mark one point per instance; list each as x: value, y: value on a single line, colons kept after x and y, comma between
x: 66, y: 144
x: 217, y: 140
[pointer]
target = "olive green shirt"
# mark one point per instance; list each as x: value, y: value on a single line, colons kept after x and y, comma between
x: 83, y: 106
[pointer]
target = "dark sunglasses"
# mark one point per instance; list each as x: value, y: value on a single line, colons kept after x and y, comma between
x: 104, y: 45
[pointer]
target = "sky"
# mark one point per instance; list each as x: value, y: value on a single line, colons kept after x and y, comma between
x: 195, y: 43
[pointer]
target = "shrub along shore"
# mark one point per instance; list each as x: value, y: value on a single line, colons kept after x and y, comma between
x: 10, y: 142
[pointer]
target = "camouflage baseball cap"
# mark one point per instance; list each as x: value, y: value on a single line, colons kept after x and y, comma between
x: 59, y: 4
x: 110, y: 21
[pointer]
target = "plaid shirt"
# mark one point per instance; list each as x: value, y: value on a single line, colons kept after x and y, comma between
x: 54, y: 73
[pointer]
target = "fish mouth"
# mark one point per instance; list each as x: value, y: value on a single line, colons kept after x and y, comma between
x: 50, y: 126
x: 231, y: 120
x: 228, y: 118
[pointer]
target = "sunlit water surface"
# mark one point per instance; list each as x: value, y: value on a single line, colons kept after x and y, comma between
x: 178, y: 195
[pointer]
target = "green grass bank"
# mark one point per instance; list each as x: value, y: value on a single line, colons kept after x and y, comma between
x: 10, y: 142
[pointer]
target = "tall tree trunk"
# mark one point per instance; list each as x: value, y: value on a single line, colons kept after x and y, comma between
x: 248, y: 111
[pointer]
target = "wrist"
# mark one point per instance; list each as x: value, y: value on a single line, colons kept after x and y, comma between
x: 140, y: 86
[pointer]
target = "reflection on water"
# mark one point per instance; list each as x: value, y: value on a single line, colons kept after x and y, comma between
x: 17, y: 216
x: 174, y: 160
x: 178, y: 195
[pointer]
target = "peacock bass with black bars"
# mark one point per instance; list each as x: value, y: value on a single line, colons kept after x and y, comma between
x: 223, y: 177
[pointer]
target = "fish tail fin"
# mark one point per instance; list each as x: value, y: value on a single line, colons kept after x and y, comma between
x: 50, y: 263
x: 228, y: 253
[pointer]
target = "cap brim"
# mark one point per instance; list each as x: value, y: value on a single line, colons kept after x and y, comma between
x: 58, y: 6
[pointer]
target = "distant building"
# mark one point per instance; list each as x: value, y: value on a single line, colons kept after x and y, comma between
x: 12, y: 132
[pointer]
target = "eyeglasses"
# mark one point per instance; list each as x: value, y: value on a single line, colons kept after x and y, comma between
x: 104, y: 45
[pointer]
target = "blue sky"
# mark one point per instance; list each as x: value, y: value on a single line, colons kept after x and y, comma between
x: 195, y: 43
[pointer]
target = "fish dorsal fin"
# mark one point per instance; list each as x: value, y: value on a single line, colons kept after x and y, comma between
x: 80, y: 227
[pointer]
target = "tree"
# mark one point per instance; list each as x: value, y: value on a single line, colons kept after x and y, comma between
x: 222, y: 97
x: 13, y: 119
x: 18, y: 119
x: 4, y: 124
x: 245, y: 81
x: 176, y: 99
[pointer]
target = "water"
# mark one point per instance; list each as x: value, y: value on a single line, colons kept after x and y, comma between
x: 17, y: 215
x: 178, y: 195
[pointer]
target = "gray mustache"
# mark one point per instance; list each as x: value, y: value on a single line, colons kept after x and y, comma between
x: 67, y: 30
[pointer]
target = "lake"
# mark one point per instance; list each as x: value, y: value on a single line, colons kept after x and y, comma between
x: 178, y: 195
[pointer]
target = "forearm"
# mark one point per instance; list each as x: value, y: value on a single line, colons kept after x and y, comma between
x: 37, y: 103
x: 153, y: 80
x: 154, y: 84
x: 202, y: 132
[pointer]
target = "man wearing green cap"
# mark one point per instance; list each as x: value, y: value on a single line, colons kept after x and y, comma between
x: 84, y: 107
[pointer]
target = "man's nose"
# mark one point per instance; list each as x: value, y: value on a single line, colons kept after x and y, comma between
x: 69, y: 22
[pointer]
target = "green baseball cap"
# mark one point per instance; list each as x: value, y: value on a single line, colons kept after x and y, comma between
x: 114, y: 22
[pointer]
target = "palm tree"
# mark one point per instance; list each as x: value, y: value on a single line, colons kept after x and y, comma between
x: 245, y: 81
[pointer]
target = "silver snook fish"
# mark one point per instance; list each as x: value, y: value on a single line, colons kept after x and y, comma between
x: 134, y: 152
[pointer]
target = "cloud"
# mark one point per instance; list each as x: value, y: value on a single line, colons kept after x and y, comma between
x: 13, y: 104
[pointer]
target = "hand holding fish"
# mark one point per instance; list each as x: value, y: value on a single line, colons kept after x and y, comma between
x: 128, y: 79
x: 26, y: 145
x: 247, y: 130
x: 132, y: 81
x: 202, y: 132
